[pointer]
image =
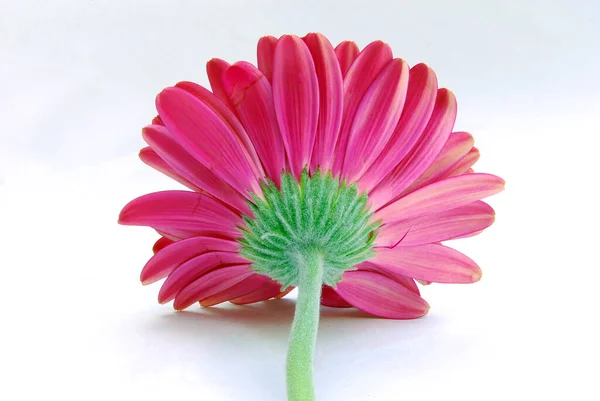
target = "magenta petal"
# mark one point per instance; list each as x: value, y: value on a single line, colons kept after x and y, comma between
x: 192, y: 170
x: 251, y: 94
x: 423, y: 153
x: 380, y: 296
x: 407, y: 282
x: 331, y: 99
x: 420, y: 100
x: 267, y: 291
x: 210, y: 284
x: 357, y: 81
x: 264, y: 53
x: 296, y: 99
x: 164, y: 262
x: 208, y: 138
x: 429, y: 262
x: 152, y: 159
x: 443, y: 195
x: 346, y: 52
x: 437, y: 227
x: 214, y: 70
x: 244, y: 287
x: 226, y: 114
x: 331, y: 298
x: 181, y: 210
x: 161, y: 243
x: 375, y: 119
x: 194, y: 268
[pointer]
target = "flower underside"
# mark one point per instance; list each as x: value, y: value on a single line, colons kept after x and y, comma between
x: 319, y: 214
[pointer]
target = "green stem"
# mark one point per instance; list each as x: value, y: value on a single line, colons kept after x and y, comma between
x: 304, y: 329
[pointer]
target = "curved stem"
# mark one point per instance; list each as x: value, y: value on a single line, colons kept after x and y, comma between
x: 304, y: 329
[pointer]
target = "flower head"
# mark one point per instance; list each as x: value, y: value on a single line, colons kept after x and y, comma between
x: 332, y: 169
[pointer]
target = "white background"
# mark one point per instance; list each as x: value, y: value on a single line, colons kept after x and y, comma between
x: 77, y: 83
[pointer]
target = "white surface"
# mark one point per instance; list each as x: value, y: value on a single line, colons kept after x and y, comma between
x: 77, y: 82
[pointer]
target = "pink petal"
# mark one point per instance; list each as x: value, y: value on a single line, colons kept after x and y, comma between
x: 194, y: 268
x: 296, y: 98
x: 380, y: 296
x: 407, y: 282
x: 152, y: 159
x: 346, y: 52
x: 422, y: 154
x: 429, y: 262
x: 208, y: 138
x: 437, y: 227
x: 265, y: 52
x: 331, y: 101
x: 457, y: 147
x: 164, y: 262
x: 181, y: 210
x: 420, y: 100
x: 157, y: 121
x: 244, y: 287
x: 284, y: 292
x: 214, y: 70
x: 463, y: 166
x: 210, y: 284
x: 443, y: 195
x: 227, y: 116
x: 375, y: 119
x: 161, y: 243
x: 250, y: 93
x: 266, y: 291
x: 192, y: 170
x: 330, y: 298
x: 357, y: 81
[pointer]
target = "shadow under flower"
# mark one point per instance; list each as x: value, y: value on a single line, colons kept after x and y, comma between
x: 244, y: 342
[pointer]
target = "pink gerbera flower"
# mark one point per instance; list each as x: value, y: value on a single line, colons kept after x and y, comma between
x: 332, y: 170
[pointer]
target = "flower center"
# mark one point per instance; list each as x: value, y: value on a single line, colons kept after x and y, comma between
x: 316, y: 215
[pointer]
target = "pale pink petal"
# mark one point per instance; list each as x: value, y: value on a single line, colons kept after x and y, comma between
x: 210, y: 284
x: 375, y: 119
x: 161, y: 243
x: 266, y: 291
x: 420, y: 100
x: 192, y: 170
x: 251, y: 94
x: 463, y: 166
x: 422, y: 154
x: 264, y: 54
x: 408, y: 282
x: 194, y: 268
x: 443, y: 195
x: 152, y: 159
x: 228, y: 117
x: 214, y: 70
x: 456, y: 148
x: 429, y: 262
x: 346, y: 52
x: 208, y: 138
x: 357, y: 81
x: 181, y: 210
x: 164, y: 262
x: 330, y: 298
x: 380, y: 296
x: 437, y: 227
x: 243, y: 288
x: 331, y: 99
x: 296, y: 98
